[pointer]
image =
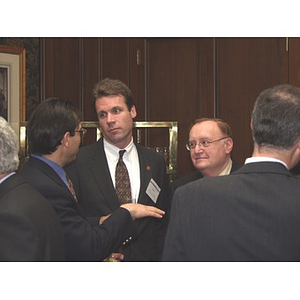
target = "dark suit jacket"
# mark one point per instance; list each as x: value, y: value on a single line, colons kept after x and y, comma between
x: 83, y: 242
x: 251, y: 215
x: 29, y: 227
x: 195, y: 176
x: 94, y: 187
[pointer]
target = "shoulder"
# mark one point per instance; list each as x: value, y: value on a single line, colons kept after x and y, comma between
x: 35, y: 168
x: 235, y: 166
x: 21, y: 194
x: 90, y: 148
x: 207, y: 185
x: 186, y: 179
x: 149, y: 153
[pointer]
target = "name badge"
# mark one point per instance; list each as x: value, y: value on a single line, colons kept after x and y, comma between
x: 153, y: 190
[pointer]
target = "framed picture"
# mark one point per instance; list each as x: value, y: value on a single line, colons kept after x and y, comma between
x: 12, y: 85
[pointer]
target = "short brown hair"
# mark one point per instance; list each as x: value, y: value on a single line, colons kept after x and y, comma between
x: 113, y: 87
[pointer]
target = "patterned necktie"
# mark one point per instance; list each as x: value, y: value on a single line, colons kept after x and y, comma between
x: 71, y: 188
x: 122, y: 183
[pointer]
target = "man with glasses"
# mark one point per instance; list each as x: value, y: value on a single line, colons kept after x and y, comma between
x: 54, y: 136
x: 253, y: 214
x: 210, y: 144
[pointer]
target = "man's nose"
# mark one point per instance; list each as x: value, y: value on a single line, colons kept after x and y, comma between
x: 110, y: 118
x: 198, y: 148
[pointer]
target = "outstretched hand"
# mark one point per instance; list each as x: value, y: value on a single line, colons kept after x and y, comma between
x: 138, y: 211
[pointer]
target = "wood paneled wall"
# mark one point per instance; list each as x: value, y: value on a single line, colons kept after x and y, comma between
x: 174, y: 79
x: 245, y: 67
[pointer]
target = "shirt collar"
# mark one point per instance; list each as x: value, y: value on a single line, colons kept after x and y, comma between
x: 227, y: 168
x: 57, y: 168
x: 7, y: 176
x: 111, y: 149
x: 264, y: 159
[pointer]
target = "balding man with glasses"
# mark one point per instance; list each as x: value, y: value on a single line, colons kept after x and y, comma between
x: 253, y: 214
x: 210, y: 145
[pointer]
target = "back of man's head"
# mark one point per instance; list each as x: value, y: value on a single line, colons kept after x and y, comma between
x: 9, y: 159
x: 48, y: 123
x: 276, y: 117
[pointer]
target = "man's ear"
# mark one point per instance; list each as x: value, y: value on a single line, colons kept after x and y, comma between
x: 133, y: 112
x: 65, y: 141
x: 229, y: 145
x: 295, y: 155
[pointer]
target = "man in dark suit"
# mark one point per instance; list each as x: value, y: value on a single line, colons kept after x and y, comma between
x: 210, y: 145
x: 93, y: 173
x: 253, y: 214
x: 29, y: 227
x: 54, y: 135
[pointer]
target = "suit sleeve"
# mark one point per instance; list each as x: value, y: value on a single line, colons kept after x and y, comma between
x: 173, y: 247
x: 84, y: 242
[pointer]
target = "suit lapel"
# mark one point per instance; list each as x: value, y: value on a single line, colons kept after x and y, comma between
x: 48, y: 171
x: 99, y: 168
x: 146, y: 171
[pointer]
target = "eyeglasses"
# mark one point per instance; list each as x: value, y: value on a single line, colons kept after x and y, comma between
x: 82, y: 132
x: 205, y: 143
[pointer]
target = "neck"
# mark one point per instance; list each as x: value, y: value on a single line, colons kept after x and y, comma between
x: 216, y: 172
x: 290, y: 157
x: 55, y: 158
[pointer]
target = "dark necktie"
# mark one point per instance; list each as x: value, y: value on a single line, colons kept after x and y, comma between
x: 71, y: 188
x: 122, y: 181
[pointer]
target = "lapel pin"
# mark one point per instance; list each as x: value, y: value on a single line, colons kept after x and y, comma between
x: 148, y: 168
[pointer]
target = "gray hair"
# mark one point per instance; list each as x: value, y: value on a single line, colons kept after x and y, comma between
x: 276, y: 117
x: 9, y: 159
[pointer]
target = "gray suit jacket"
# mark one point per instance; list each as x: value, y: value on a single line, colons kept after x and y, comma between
x: 251, y: 215
x: 29, y: 227
x: 195, y: 176
x: 94, y: 188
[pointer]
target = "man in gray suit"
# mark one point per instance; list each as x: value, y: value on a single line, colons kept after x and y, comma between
x: 253, y: 214
x: 29, y: 227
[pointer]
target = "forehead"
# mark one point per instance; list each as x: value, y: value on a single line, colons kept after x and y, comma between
x: 108, y: 102
x: 205, y: 129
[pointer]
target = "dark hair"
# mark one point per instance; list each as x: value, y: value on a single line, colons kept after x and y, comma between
x: 113, y: 87
x: 223, y: 126
x: 276, y: 117
x: 48, y: 124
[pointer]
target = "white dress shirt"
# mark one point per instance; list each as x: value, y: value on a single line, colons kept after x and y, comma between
x: 263, y: 159
x: 131, y: 160
x: 6, y: 176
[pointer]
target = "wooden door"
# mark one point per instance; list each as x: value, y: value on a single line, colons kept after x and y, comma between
x: 172, y: 89
x: 245, y: 67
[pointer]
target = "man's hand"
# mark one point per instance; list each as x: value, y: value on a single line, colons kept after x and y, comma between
x: 114, y: 257
x: 103, y: 218
x: 138, y: 211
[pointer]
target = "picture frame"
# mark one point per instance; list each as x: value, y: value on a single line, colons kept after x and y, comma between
x: 13, y: 86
